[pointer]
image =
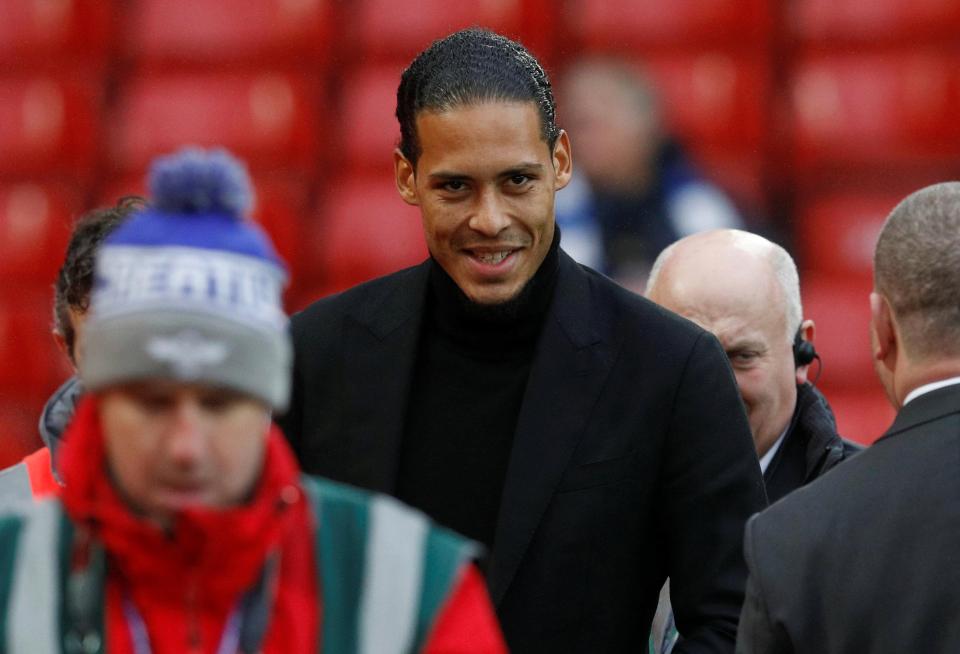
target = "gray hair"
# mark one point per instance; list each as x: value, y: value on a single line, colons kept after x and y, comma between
x: 917, y: 268
x: 782, y: 264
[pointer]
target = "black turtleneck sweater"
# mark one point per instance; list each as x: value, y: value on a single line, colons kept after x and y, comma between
x: 471, y: 373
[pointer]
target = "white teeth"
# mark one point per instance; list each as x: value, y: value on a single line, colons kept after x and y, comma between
x: 492, y: 258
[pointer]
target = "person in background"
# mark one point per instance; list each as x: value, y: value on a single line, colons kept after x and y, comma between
x: 745, y: 290
x: 592, y: 441
x: 36, y: 476
x: 184, y: 523
x: 636, y: 190
x: 865, y: 558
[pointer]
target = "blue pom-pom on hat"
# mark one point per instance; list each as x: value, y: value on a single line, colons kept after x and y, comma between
x: 198, y: 181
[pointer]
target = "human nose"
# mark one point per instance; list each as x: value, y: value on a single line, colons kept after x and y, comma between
x: 489, y: 218
x: 185, y: 442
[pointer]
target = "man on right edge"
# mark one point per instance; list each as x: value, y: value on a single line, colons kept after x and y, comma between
x: 865, y: 559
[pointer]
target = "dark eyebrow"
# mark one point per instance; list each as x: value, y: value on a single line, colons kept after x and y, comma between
x: 444, y: 175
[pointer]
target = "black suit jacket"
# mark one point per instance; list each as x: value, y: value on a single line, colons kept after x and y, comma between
x: 632, y: 457
x: 866, y: 558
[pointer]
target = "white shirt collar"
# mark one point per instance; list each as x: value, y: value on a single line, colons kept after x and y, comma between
x: 927, y: 388
x: 768, y: 457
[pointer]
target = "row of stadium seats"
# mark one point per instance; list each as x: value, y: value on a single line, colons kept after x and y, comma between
x: 174, y: 32
x: 887, y: 108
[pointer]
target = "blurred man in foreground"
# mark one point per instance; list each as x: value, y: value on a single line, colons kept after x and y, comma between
x: 745, y: 289
x: 37, y: 475
x: 184, y: 523
x: 865, y: 559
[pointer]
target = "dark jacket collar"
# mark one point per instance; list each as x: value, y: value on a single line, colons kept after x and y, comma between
x: 929, y: 406
x: 813, y: 431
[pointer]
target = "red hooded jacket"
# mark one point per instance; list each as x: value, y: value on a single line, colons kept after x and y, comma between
x: 185, y: 581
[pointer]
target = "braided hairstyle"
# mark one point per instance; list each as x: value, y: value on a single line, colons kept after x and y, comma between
x: 468, y: 67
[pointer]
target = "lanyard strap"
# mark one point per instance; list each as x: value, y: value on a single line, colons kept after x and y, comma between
x: 244, y: 631
x: 229, y: 640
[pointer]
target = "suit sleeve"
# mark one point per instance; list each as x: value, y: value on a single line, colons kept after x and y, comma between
x: 711, y: 485
x: 757, y: 633
x: 467, y: 623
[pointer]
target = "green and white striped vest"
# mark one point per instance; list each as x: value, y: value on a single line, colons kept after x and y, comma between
x: 384, y: 572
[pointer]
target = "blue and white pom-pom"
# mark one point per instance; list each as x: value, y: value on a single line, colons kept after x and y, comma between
x: 194, y: 180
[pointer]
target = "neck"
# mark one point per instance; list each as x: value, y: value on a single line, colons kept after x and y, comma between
x: 453, y: 310
x: 913, y: 375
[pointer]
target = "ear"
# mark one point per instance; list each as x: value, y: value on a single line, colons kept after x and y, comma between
x: 405, y: 177
x: 807, y: 332
x: 883, y: 331
x: 562, y: 160
x: 61, y: 342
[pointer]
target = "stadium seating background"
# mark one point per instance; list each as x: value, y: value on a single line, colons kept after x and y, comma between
x: 816, y: 115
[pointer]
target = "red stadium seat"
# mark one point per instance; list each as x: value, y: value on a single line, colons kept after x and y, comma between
x: 364, y: 230
x: 30, y: 363
x: 909, y: 21
x: 837, y: 233
x: 34, y: 229
x: 19, y: 435
x: 48, y: 125
x: 630, y: 24
x: 713, y: 98
x: 212, y: 31
x: 840, y: 307
x: 370, y: 128
x: 397, y: 30
x: 269, y: 119
x: 43, y: 34
x: 876, y: 109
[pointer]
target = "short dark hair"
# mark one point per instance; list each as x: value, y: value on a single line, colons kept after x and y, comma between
x: 917, y: 268
x: 75, y: 279
x: 469, y: 67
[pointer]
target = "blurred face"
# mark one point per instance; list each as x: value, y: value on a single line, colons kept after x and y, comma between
x: 485, y: 185
x: 746, y: 313
x: 616, y: 136
x: 173, y: 446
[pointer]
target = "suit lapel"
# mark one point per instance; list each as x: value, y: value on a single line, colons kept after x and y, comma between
x: 571, y: 363
x: 380, y: 348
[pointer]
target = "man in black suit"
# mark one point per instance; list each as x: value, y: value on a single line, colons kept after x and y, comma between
x: 746, y: 291
x: 594, y: 442
x: 865, y: 559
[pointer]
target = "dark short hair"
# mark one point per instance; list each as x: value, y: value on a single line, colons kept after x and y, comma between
x: 917, y: 268
x: 75, y: 279
x: 469, y: 67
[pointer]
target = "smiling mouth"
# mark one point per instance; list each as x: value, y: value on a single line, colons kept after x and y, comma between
x: 491, y: 257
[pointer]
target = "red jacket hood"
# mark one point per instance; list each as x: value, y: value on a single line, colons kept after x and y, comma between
x: 216, y: 552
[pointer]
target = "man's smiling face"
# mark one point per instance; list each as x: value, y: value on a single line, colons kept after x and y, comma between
x: 485, y: 183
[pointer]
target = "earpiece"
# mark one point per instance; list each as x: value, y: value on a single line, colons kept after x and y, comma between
x: 803, y: 351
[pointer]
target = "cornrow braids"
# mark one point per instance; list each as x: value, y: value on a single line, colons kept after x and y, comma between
x: 470, y: 67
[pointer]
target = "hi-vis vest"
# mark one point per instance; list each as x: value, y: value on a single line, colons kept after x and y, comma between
x: 385, y: 573
x: 32, y: 478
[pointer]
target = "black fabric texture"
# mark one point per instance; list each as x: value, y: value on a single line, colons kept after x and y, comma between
x: 471, y: 373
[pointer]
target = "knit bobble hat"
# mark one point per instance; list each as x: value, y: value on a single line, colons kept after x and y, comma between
x: 189, y: 289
